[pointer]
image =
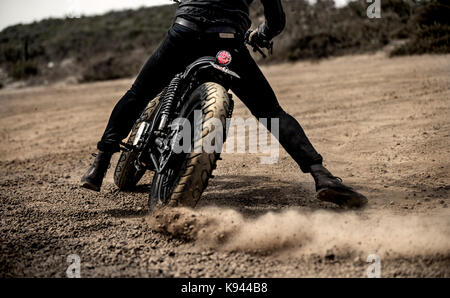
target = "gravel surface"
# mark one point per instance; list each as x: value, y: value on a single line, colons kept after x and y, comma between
x: 381, y: 124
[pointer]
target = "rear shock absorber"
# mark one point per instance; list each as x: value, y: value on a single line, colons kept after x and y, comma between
x: 169, y: 97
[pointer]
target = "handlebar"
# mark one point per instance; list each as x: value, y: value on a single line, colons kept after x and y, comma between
x: 257, y: 48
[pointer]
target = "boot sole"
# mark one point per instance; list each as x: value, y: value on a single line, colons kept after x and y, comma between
x: 342, y: 198
x: 90, y: 186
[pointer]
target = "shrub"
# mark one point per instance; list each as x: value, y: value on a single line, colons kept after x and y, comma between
x: 115, y: 45
x: 433, y: 39
x: 23, y: 70
x: 431, y: 30
x: 106, y: 69
x: 112, y: 67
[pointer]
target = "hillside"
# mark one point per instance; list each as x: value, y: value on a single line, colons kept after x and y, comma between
x: 115, y: 45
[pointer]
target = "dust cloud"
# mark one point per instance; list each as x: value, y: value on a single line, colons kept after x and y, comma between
x: 299, y: 233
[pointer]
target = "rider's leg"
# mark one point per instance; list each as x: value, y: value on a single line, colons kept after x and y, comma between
x: 256, y: 93
x: 171, y: 57
x: 93, y: 178
x: 161, y: 67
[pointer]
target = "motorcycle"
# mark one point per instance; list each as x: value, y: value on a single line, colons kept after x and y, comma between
x: 180, y: 178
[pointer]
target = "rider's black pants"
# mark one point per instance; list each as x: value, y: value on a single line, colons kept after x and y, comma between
x: 183, y: 46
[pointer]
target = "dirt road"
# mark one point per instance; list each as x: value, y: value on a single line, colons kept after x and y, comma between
x: 381, y: 124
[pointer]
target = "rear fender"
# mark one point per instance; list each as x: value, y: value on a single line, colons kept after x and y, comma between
x: 205, y: 63
x: 225, y: 70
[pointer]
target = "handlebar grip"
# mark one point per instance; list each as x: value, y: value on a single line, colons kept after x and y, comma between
x: 257, y: 48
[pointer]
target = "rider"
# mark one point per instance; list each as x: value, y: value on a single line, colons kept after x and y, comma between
x: 195, y: 33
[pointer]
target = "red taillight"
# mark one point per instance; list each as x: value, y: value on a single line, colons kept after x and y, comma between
x: 223, y: 57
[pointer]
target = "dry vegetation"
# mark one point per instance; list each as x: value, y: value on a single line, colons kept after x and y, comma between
x: 116, y: 44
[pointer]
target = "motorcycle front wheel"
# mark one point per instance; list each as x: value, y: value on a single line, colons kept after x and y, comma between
x: 126, y: 175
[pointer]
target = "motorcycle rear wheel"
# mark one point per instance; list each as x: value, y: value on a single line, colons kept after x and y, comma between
x: 183, y: 183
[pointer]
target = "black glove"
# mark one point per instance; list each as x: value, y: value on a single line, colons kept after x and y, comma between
x: 259, y: 39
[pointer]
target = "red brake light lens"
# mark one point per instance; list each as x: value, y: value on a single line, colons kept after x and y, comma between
x: 224, y: 57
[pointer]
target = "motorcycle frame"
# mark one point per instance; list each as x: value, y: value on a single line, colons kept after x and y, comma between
x: 204, y: 69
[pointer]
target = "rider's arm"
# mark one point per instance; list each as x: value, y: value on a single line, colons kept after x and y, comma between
x: 275, y: 19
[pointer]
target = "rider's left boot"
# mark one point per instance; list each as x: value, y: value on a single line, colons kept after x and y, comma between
x: 93, y: 179
x: 331, y: 189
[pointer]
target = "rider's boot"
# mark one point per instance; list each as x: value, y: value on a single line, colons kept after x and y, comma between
x: 331, y: 189
x: 93, y: 178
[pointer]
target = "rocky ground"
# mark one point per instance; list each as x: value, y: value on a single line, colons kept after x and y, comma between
x: 382, y: 125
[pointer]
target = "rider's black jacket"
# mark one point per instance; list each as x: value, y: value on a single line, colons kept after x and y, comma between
x: 233, y: 13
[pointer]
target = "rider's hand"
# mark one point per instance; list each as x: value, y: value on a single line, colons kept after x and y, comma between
x: 252, y: 34
x: 257, y: 38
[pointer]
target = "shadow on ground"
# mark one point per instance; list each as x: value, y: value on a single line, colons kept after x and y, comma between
x: 256, y: 195
x: 251, y: 195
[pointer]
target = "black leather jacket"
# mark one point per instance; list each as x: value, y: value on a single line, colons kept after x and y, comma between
x: 233, y: 13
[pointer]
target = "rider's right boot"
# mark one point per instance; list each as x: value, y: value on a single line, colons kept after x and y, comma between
x: 94, y: 176
x: 331, y: 189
